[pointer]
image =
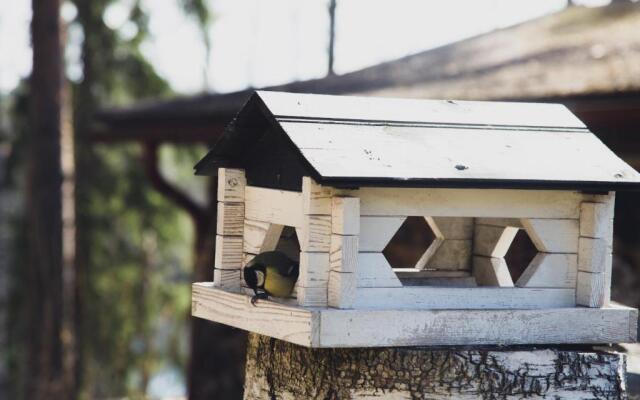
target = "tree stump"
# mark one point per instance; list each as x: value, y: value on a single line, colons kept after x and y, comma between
x: 280, y: 370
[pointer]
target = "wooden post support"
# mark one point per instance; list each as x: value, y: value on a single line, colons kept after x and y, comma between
x: 277, y: 369
x: 594, y: 251
x: 228, y: 259
x: 345, y: 228
x: 315, y: 239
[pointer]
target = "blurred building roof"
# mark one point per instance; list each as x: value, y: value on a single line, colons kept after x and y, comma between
x: 580, y: 56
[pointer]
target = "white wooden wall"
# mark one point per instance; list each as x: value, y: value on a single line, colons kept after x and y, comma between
x: 342, y: 234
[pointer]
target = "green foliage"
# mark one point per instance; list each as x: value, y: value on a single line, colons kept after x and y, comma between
x: 139, y: 274
x: 18, y: 113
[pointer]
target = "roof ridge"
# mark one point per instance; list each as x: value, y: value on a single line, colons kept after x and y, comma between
x: 422, y: 124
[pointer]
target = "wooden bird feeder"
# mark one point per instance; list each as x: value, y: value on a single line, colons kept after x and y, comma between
x: 344, y: 173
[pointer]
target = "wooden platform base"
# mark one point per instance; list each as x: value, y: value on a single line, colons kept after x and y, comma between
x: 314, y: 327
x: 279, y: 370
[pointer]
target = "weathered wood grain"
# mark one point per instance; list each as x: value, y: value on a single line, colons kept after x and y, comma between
x: 374, y: 271
x: 260, y: 236
x: 504, y: 222
x: 491, y: 271
x: 596, y: 220
x: 314, y: 269
x: 493, y: 241
x: 593, y: 254
x: 315, y: 234
x: 553, y: 235
x: 316, y: 199
x: 227, y: 279
x: 280, y: 207
x: 591, y: 289
x: 416, y: 297
x: 376, y: 232
x: 425, y: 258
x: 496, y: 203
x: 405, y: 327
x: 435, y: 111
x: 342, y: 289
x: 452, y: 254
x: 426, y: 274
x: 312, y: 296
x: 247, y: 257
x: 607, y: 279
x: 548, y: 270
x: 353, y: 153
x: 228, y: 252
x: 345, y: 215
x: 609, y: 199
x: 343, y: 256
x: 451, y: 227
x: 288, y: 323
x: 355, y: 328
x: 230, y: 218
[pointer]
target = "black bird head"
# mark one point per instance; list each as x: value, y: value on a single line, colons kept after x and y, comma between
x: 254, y: 276
x: 255, y: 272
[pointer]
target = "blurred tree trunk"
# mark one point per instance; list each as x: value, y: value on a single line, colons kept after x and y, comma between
x: 332, y: 36
x: 48, y: 377
x: 85, y: 102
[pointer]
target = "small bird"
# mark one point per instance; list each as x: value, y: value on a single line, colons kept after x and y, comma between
x: 271, y: 273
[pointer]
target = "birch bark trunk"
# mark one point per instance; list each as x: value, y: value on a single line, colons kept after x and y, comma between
x: 280, y: 370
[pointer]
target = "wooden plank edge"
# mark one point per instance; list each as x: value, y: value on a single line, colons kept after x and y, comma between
x: 320, y: 320
x: 266, y: 317
x: 580, y: 325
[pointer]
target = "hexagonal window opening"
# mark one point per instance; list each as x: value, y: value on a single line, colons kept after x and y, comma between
x: 521, y: 252
x: 415, y: 242
x: 410, y: 243
x: 288, y: 243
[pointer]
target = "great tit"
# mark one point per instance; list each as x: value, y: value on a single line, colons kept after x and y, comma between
x: 271, y: 273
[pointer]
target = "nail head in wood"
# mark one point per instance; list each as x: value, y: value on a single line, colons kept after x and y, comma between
x: 231, y: 184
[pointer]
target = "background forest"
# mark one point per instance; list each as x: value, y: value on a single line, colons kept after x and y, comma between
x: 133, y: 249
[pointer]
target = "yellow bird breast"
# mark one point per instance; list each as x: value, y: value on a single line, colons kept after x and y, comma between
x: 276, y: 284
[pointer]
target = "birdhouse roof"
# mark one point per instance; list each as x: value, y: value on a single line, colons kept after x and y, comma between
x: 346, y: 141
